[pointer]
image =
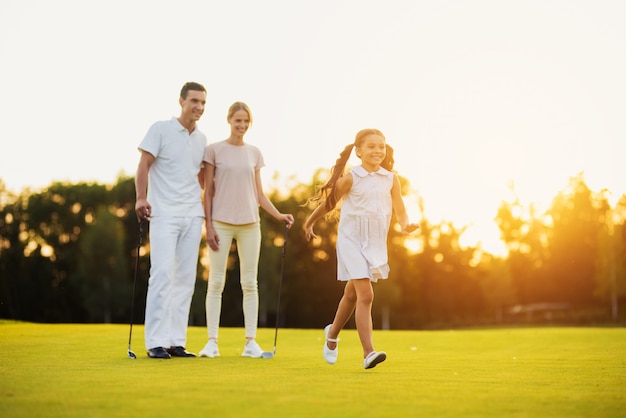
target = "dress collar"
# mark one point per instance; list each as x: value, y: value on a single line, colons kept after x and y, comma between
x: 362, y: 172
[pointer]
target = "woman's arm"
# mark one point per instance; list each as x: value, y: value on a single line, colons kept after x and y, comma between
x: 212, y: 239
x: 267, y: 204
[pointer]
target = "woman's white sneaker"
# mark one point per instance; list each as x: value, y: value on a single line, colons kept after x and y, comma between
x: 210, y: 350
x: 252, y: 349
x: 374, y: 358
x: 330, y: 355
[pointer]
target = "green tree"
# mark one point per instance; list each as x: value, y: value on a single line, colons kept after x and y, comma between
x: 41, y: 250
x: 526, y: 234
x: 611, y: 260
x: 67, y: 254
x: 451, y: 289
x: 101, y: 274
x: 577, y: 219
x: 310, y: 291
x: 13, y: 240
x: 498, y: 289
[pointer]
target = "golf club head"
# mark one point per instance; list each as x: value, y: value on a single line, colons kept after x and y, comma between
x: 131, y: 355
x: 267, y: 354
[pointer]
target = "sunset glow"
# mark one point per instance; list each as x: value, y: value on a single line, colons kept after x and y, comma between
x: 484, y: 101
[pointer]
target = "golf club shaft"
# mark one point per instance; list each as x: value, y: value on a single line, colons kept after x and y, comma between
x: 280, y: 285
x: 132, y: 302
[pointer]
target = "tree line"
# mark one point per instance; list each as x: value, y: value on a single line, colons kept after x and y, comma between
x: 68, y: 253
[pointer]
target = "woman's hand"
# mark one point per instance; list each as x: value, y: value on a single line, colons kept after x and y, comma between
x: 212, y: 239
x: 287, y: 218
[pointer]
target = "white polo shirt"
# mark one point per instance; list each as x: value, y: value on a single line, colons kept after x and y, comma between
x: 173, y: 188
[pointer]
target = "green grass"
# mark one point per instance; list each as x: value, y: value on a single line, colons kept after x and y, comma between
x: 66, y: 370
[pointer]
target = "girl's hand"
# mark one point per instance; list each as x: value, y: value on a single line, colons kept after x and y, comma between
x: 308, y: 233
x: 407, y: 229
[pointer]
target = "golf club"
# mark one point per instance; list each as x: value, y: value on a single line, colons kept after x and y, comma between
x: 270, y: 354
x: 132, y: 302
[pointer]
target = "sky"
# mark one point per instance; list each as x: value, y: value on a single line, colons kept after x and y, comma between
x: 475, y: 96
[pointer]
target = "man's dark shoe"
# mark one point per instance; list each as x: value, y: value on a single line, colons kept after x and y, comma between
x: 179, y: 352
x: 158, y: 352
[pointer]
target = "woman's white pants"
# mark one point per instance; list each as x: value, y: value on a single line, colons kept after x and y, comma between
x: 248, y: 239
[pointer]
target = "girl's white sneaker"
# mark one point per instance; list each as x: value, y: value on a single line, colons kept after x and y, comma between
x: 329, y: 355
x: 374, y: 358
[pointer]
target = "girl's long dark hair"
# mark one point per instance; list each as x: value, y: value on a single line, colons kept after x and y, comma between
x: 327, y: 191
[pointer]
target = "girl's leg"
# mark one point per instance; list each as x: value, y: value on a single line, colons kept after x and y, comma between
x: 249, y: 247
x: 217, y: 278
x: 363, y: 314
x: 345, y: 309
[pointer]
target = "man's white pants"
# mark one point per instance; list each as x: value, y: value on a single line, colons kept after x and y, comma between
x: 174, y: 244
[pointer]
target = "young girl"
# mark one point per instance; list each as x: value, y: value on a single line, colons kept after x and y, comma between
x: 233, y: 193
x: 370, y: 192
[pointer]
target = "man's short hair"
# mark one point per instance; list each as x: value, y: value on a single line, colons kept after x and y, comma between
x: 190, y: 85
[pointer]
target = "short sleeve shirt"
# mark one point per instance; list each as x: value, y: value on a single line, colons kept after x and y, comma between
x: 173, y: 187
x: 235, y: 201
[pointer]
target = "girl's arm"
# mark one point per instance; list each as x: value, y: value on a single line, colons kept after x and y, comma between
x: 267, y: 204
x: 343, y: 186
x: 400, y: 209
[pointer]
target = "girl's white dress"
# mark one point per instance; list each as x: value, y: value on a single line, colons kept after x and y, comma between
x: 363, y: 226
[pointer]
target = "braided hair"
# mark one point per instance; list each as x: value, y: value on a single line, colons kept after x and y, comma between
x: 327, y: 191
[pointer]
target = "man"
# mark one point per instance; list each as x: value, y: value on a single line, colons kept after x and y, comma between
x: 169, y: 196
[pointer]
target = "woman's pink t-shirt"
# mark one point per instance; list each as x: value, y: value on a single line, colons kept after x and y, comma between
x: 236, y: 200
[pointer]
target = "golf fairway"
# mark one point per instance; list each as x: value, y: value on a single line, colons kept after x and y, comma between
x: 70, y: 370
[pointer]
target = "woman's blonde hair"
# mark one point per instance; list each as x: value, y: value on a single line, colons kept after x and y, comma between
x: 237, y: 106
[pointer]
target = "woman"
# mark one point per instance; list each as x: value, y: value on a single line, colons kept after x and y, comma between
x: 232, y: 195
